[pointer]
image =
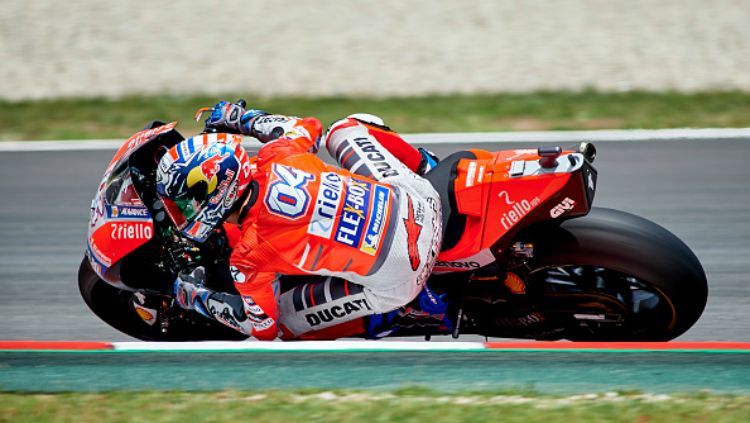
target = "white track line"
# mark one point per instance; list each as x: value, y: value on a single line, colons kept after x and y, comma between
x: 453, y: 138
x: 297, y: 346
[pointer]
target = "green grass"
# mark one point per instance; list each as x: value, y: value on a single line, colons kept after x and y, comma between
x: 397, y: 406
x: 118, y: 118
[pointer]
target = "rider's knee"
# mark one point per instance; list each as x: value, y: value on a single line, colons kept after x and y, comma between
x: 383, y: 302
x: 337, y: 133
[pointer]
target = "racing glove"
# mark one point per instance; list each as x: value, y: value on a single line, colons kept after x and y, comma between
x: 233, y: 118
x: 190, y: 292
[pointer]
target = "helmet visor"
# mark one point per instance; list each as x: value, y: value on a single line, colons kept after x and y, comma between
x: 189, y: 207
x: 182, y: 210
x: 176, y: 213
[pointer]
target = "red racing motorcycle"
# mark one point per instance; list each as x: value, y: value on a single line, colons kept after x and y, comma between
x: 524, y: 254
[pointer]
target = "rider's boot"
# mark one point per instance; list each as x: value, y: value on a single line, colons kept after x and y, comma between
x: 428, y: 162
x: 428, y: 311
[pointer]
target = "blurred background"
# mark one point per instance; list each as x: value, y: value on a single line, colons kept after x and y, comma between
x: 91, y: 48
x: 83, y: 69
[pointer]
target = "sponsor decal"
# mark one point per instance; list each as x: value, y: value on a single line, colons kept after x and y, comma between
x: 504, y: 195
x: 523, y: 321
x: 375, y: 157
x: 223, y: 187
x: 274, y: 127
x: 116, y: 212
x: 272, y: 119
x: 413, y: 230
x: 139, y: 138
x: 565, y: 205
x: 232, y: 195
x: 474, y: 174
x: 95, y: 253
x: 471, y: 174
x: 381, y: 198
x: 336, y: 312
x: 287, y: 196
x: 260, y: 326
x: 131, y: 230
x: 354, y: 213
x: 478, y: 260
x: 518, y: 209
x: 254, y: 313
x: 326, y: 205
x: 458, y: 264
x: 148, y: 315
x: 206, y: 173
x: 480, y: 175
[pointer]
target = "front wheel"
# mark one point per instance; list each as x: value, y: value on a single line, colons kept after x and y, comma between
x: 113, y: 306
x: 614, y: 276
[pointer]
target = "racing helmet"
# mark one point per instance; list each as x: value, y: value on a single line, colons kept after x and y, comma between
x: 200, y: 180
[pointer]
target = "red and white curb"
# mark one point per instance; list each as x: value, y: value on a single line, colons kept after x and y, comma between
x: 374, y: 346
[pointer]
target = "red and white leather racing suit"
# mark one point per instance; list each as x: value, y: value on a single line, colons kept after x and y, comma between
x: 375, y: 225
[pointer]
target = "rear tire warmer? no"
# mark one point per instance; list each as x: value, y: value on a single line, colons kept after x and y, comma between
x: 632, y: 245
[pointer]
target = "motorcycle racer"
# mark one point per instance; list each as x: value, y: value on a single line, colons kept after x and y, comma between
x: 371, y: 229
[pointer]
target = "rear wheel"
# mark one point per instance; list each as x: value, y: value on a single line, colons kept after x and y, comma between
x: 614, y: 276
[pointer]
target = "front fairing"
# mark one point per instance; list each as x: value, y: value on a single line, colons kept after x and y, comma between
x: 120, y: 222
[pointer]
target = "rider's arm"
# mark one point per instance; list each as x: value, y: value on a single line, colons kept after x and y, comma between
x: 300, y: 135
x: 259, y: 300
x: 286, y: 135
x: 257, y: 289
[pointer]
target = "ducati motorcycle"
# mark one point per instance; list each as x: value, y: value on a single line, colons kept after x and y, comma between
x: 524, y: 255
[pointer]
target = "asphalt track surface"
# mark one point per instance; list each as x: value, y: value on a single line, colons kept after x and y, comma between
x: 700, y: 190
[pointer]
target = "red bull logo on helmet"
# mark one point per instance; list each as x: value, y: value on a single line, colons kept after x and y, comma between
x: 206, y: 172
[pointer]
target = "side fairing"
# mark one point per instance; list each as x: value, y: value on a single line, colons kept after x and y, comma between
x: 502, y: 191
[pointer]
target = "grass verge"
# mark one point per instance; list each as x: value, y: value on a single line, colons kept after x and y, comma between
x: 405, y: 405
x: 119, y: 118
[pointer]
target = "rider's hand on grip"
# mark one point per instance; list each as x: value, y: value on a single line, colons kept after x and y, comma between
x: 225, y: 117
x: 232, y: 118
